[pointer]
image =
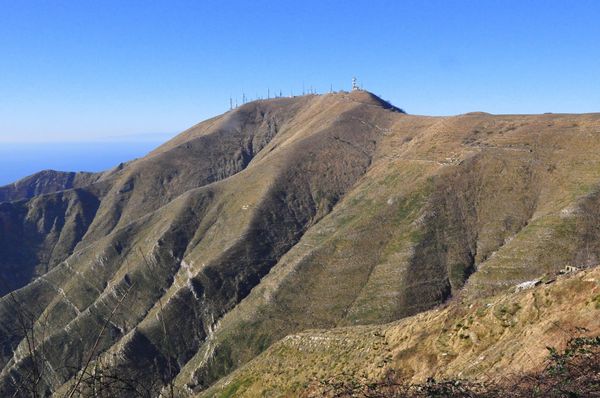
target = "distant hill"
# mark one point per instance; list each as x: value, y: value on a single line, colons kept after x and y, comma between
x: 282, y: 215
x: 47, y: 181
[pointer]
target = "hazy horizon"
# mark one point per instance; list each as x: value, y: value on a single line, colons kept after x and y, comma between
x: 112, y: 68
x: 19, y: 160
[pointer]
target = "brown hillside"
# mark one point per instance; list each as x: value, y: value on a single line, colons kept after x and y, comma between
x: 486, y: 340
x: 284, y: 215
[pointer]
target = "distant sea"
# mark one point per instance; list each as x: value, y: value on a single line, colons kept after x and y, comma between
x: 18, y: 160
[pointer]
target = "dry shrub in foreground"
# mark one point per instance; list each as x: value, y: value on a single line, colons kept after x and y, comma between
x: 572, y: 373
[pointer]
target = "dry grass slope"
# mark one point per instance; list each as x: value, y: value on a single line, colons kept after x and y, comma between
x: 488, y: 340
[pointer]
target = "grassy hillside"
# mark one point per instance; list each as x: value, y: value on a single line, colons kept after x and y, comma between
x: 486, y: 340
x: 285, y: 215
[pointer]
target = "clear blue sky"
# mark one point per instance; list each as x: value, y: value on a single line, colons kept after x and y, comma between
x: 138, y: 70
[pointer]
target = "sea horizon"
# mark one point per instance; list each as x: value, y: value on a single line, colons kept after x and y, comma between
x: 21, y: 159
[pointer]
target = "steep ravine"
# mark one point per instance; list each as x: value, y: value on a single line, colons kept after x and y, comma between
x: 40, y: 233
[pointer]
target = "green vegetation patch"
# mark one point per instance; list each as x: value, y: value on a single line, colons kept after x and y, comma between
x: 596, y: 301
x: 235, y: 387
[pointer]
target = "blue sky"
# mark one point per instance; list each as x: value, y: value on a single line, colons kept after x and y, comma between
x: 144, y: 70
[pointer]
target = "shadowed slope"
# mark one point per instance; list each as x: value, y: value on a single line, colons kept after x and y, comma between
x: 38, y: 234
x: 487, y: 341
x: 134, y: 189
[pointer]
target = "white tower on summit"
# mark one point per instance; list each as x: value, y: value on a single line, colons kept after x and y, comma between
x: 354, y: 84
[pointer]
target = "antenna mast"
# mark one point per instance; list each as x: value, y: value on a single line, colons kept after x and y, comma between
x: 355, y: 84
